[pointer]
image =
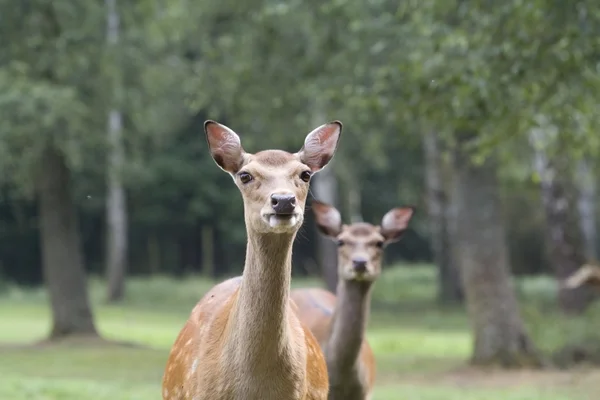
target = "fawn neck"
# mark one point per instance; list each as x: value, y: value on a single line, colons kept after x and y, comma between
x: 348, y: 325
x: 262, y: 304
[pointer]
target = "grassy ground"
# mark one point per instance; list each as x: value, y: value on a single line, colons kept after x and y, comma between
x: 421, y: 349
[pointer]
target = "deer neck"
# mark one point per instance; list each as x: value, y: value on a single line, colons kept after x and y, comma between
x: 261, y: 310
x: 348, y: 326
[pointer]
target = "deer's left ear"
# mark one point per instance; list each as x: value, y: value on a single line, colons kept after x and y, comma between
x: 395, y: 222
x: 320, y: 145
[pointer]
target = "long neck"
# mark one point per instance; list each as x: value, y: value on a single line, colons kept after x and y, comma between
x: 348, y: 325
x: 262, y: 303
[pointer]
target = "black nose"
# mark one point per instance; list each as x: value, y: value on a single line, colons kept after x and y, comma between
x: 359, y: 265
x: 283, y: 204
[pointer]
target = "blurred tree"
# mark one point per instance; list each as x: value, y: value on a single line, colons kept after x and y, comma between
x: 441, y: 219
x: 262, y: 67
x: 44, y: 114
x: 116, y: 207
x: 588, y: 194
x: 499, y: 334
x: 564, y: 234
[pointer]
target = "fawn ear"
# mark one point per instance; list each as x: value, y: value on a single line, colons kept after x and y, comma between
x: 225, y: 146
x: 395, y: 222
x: 320, y: 144
x: 329, y: 220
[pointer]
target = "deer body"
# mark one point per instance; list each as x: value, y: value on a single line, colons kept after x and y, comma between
x: 244, y: 340
x: 339, y: 323
x: 587, y: 274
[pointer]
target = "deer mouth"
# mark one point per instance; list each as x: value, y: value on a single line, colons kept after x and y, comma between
x: 355, y: 276
x: 278, y: 221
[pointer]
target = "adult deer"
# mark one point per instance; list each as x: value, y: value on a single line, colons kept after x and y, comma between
x: 588, y: 274
x: 339, y: 323
x: 243, y: 340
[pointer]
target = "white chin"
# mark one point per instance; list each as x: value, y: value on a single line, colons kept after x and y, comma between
x: 351, y: 276
x: 282, y: 223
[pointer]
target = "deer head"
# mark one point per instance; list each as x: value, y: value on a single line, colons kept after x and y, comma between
x: 274, y: 183
x: 360, y: 245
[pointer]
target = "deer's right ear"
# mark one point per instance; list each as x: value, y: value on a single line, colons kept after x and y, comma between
x: 225, y: 146
x: 320, y: 145
x: 329, y: 220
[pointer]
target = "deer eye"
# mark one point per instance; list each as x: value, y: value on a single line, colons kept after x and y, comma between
x: 245, y: 177
x: 379, y: 244
x: 340, y: 243
x: 305, y: 176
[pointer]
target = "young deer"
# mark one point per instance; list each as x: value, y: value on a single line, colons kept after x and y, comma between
x: 339, y: 324
x: 588, y: 274
x: 243, y: 340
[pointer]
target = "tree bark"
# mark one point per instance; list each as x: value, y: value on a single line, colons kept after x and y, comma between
x: 62, y: 256
x: 153, y: 248
x: 354, y: 202
x: 564, y: 234
x: 587, y: 208
x: 116, y: 204
x: 325, y: 189
x: 440, y: 221
x: 500, y: 338
x: 208, y: 254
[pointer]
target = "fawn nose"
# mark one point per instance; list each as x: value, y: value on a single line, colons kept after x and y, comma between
x: 283, y: 203
x: 360, y: 265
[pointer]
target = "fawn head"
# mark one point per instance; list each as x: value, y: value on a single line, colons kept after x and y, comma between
x: 360, y: 245
x: 274, y: 183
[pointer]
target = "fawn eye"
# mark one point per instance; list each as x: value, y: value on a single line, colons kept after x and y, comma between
x: 245, y: 177
x: 305, y: 176
x: 379, y: 244
x: 340, y: 243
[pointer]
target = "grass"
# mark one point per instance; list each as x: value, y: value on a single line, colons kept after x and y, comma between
x: 420, y: 348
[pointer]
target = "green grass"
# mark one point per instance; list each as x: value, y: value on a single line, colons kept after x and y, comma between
x: 421, y: 348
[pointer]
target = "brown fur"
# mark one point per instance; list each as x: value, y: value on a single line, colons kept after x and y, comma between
x: 588, y: 274
x: 339, y: 323
x: 244, y: 340
x: 318, y: 309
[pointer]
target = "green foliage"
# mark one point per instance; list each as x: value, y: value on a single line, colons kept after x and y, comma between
x: 273, y: 71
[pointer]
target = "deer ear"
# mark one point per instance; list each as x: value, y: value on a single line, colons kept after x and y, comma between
x: 320, y: 145
x: 329, y: 220
x: 225, y: 146
x: 395, y: 222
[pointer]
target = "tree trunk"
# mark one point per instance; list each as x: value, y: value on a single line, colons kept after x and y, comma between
x: 208, y: 253
x: 350, y: 185
x: 116, y: 204
x: 440, y: 221
x: 499, y: 335
x: 564, y: 235
x: 154, y: 257
x: 354, y: 202
x: 587, y: 208
x: 62, y: 256
x: 325, y: 189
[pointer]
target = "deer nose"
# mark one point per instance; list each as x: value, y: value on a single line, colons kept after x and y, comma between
x: 283, y: 203
x: 359, y: 265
